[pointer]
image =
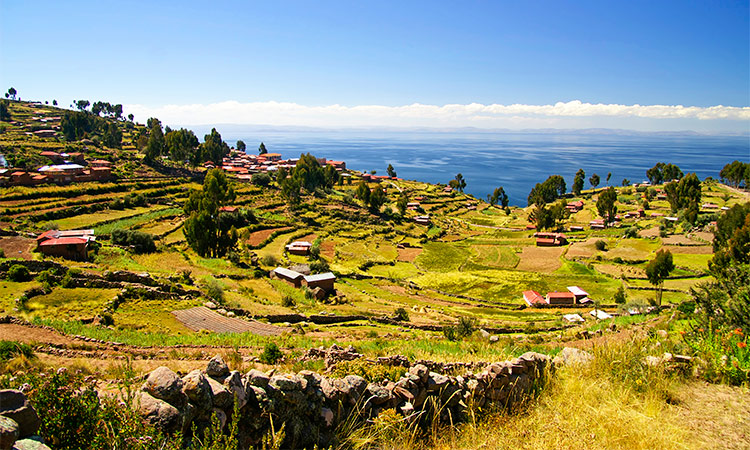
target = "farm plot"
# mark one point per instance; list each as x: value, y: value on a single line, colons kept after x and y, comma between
x: 541, y: 259
x: 202, y: 318
x: 633, y: 249
x: 17, y: 246
x: 585, y: 249
x: 258, y: 237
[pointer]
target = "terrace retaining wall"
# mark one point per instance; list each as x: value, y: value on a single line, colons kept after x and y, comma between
x: 311, y: 406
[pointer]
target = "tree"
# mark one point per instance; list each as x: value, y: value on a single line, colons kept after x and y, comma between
x: 377, y: 199
x: 499, y: 196
x: 578, y: 181
x: 241, y: 146
x: 213, y: 148
x: 659, y: 269
x: 156, y: 145
x: 620, y: 297
x: 4, y: 110
x: 290, y: 190
x: 685, y: 194
x: 458, y: 183
x: 208, y: 231
x: 547, y: 192
x: 181, y: 144
x: 12, y: 93
x: 402, y: 203
x: 548, y: 218
x: 262, y: 149
x: 363, y: 192
x: 609, y: 175
x: 605, y: 204
x: 625, y: 182
x: 594, y: 180
x: 82, y: 104
x: 662, y: 172
x: 112, y: 136
x: 735, y: 173
x: 131, y: 117
x: 54, y: 102
x: 391, y: 171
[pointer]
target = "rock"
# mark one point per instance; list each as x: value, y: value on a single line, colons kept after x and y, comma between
x: 237, y: 387
x: 494, y: 339
x: 15, y: 405
x: 222, y: 311
x: 484, y: 333
x: 407, y: 409
x: 257, y: 378
x: 403, y: 393
x: 222, y: 416
x: 9, y: 432
x: 285, y: 383
x: 357, y: 387
x: 159, y: 413
x: 231, y: 314
x: 662, y: 334
x: 421, y: 371
x: 221, y: 396
x: 652, y: 361
x: 165, y: 385
x: 327, y: 415
x: 195, y: 385
x: 217, y: 368
x: 319, y: 293
x: 210, y: 305
x: 31, y: 443
x: 572, y: 356
x: 377, y: 394
x: 436, y: 381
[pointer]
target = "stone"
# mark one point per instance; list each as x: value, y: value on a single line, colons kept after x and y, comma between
x: 236, y: 385
x: 494, y: 339
x: 572, y: 356
x: 31, y: 443
x: 15, y: 405
x: 222, y: 398
x: 257, y: 378
x: 327, y: 415
x: 9, y: 432
x: 403, y: 393
x: 420, y: 371
x: 407, y: 409
x: 165, y: 385
x: 285, y: 383
x: 222, y: 416
x: 210, y: 305
x: 357, y: 386
x: 377, y: 394
x: 484, y: 333
x: 436, y: 381
x: 159, y: 413
x: 197, y: 389
x: 217, y: 368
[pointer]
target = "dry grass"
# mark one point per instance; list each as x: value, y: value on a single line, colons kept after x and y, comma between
x: 540, y: 259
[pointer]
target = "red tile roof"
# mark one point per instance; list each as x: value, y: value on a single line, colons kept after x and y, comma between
x: 65, y: 241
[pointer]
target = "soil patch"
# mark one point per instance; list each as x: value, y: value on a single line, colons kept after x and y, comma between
x: 328, y: 249
x: 679, y: 239
x: 690, y: 250
x: 408, y: 254
x: 30, y: 335
x: 650, y: 233
x: 17, y: 246
x: 585, y: 249
x: 257, y: 237
x: 541, y: 259
x: 202, y: 318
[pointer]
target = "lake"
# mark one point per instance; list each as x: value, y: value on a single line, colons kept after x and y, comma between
x: 514, y: 160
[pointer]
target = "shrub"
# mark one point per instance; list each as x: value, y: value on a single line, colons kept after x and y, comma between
x: 261, y: 179
x: 269, y: 260
x: 620, y: 296
x: 401, y: 315
x: 373, y: 373
x: 601, y: 245
x: 2, y: 253
x: 631, y: 232
x: 319, y: 265
x: 287, y: 301
x: 271, y: 354
x: 11, y: 349
x: 465, y: 326
x: 18, y: 273
x: 214, y: 290
x: 450, y: 333
x: 139, y: 241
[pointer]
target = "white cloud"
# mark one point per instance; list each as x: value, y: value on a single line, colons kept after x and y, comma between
x: 562, y: 114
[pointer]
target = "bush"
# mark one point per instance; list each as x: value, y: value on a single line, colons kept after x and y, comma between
x: 11, y: 349
x: 466, y: 326
x: 287, y: 301
x: 214, y: 290
x: 373, y: 373
x: 620, y: 296
x: 319, y: 265
x: 261, y: 179
x: 401, y: 315
x: 601, y: 245
x: 269, y: 260
x: 139, y: 241
x: 271, y: 354
x: 631, y: 232
x: 19, y: 273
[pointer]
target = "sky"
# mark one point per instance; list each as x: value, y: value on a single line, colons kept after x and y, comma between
x: 642, y: 65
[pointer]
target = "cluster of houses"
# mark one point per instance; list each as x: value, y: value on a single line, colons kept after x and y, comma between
x: 70, y: 244
x: 321, y: 284
x: 65, y: 168
x: 573, y: 297
x: 244, y: 165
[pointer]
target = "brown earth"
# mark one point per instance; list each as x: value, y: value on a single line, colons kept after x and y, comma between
x: 328, y: 249
x: 690, y: 250
x: 651, y: 232
x: 408, y: 254
x: 584, y: 249
x: 257, y: 237
x: 679, y: 239
x: 17, y: 246
x: 540, y: 259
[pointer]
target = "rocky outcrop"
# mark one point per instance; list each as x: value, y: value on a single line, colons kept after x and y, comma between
x: 310, y: 406
x: 19, y: 422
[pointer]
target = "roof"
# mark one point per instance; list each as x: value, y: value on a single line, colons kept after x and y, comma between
x: 560, y: 295
x: 533, y: 297
x: 320, y: 277
x: 228, y: 209
x: 65, y: 241
x: 287, y: 273
x: 546, y: 240
x: 49, y: 153
x: 55, y: 234
x: 61, y: 167
x: 300, y: 244
x: 578, y: 291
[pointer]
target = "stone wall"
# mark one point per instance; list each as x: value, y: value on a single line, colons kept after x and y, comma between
x: 311, y: 406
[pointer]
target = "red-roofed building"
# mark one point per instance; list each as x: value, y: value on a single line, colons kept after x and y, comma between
x: 534, y: 299
x: 71, y: 244
x: 560, y: 298
x: 338, y: 165
x: 550, y: 239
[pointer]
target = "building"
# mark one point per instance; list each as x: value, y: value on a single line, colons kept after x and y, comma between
x: 574, y: 207
x: 550, y: 239
x: 324, y: 281
x: 70, y: 244
x: 338, y: 165
x: 580, y: 295
x: 299, y: 248
x: 597, y: 224
x: 423, y: 220
x: 290, y: 276
x: 560, y: 298
x: 534, y: 299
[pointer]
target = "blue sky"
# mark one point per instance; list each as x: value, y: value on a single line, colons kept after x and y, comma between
x: 289, y: 62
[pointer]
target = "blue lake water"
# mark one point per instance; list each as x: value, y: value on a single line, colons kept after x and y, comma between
x: 515, y: 161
